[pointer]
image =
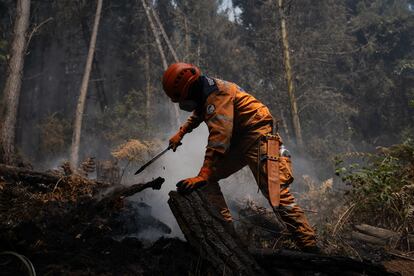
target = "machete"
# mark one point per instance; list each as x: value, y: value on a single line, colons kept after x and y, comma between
x: 152, y: 160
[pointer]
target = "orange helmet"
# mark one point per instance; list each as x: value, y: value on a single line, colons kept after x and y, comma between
x: 178, y: 78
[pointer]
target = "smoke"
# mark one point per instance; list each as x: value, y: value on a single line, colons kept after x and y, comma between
x: 186, y: 162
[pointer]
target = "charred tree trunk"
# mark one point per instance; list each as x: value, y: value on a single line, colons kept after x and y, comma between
x: 161, y: 51
x: 11, y: 90
x: 208, y: 233
x: 289, y: 76
x: 77, y: 127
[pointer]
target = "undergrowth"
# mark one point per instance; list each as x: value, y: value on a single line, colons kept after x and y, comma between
x: 382, y: 187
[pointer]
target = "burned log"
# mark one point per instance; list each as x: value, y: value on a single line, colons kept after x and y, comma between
x: 368, y: 238
x: 16, y: 174
x: 379, y: 236
x: 206, y: 231
x: 120, y: 193
x: 66, y: 227
x: 299, y: 261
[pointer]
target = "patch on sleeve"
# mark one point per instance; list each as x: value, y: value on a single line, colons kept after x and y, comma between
x: 210, y: 109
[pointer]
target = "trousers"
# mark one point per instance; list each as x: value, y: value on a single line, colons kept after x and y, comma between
x: 237, y: 158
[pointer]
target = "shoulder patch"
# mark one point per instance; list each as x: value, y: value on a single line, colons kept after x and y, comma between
x: 210, y: 109
x: 210, y: 81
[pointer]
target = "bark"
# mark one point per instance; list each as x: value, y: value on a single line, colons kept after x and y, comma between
x: 161, y: 51
x: 206, y: 231
x: 13, y: 84
x: 289, y: 76
x: 77, y: 127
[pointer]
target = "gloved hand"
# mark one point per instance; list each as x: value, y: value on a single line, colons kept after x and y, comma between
x: 188, y: 185
x: 175, y: 140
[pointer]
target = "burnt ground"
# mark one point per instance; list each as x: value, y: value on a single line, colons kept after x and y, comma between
x: 67, y: 224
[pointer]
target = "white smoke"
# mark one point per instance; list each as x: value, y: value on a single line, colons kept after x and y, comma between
x: 186, y: 162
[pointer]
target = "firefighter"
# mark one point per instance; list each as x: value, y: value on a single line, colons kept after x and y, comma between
x: 240, y: 129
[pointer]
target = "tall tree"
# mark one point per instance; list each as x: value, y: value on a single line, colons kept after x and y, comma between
x: 14, y: 80
x: 156, y: 33
x: 83, y: 89
x: 289, y: 76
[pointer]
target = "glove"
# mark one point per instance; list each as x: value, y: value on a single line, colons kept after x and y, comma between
x: 175, y: 140
x: 188, y: 185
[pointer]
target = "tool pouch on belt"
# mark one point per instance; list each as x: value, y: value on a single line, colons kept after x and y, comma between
x: 279, y: 168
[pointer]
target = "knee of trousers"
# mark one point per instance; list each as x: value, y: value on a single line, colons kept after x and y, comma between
x: 215, y: 197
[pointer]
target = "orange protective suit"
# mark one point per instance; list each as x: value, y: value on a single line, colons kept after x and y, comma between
x: 236, y: 122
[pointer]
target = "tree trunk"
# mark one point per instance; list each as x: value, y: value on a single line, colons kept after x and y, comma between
x: 289, y: 76
x: 161, y: 51
x: 206, y: 231
x: 187, y: 38
x: 77, y: 127
x: 14, y: 81
x: 164, y: 34
x: 97, y: 76
x: 285, y: 126
x: 148, y: 80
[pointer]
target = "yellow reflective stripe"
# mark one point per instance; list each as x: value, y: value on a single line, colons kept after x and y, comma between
x: 220, y: 117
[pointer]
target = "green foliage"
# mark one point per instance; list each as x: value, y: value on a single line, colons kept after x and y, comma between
x: 404, y: 67
x: 377, y: 184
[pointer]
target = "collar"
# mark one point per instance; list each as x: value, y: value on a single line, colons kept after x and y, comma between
x: 208, y: 86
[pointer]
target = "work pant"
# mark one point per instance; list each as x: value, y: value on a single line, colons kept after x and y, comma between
x: 289, y: 211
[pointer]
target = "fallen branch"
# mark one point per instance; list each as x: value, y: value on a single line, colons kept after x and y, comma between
x: 379, y: 236
x: 121, y: 193
x: 367, y: 238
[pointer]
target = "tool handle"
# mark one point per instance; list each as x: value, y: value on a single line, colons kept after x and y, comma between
x: 152, y: 160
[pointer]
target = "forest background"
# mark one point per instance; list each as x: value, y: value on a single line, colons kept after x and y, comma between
x: 352, y: 61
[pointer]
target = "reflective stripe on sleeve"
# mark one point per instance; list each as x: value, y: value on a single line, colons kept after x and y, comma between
x: 220, y: 117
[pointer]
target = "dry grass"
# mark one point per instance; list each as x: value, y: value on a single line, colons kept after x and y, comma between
x: 135, y: 150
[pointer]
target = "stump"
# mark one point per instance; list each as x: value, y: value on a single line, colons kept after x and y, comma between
x: 210, y: 235
x: 206, y: 231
